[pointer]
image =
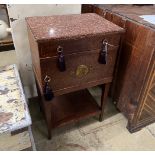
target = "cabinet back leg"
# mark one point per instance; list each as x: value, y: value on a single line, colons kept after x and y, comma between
x: 49, y: 133
x: 104, y: 95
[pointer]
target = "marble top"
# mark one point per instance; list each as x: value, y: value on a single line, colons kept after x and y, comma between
x: 14, y: 113
x: 70, y: 26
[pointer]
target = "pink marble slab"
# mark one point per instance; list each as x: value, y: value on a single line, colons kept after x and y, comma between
x: 70, y: 26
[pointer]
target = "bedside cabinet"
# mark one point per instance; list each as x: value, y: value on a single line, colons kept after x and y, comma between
x: 73, y: 52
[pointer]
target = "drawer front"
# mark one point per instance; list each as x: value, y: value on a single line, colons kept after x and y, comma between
x: 49, y: 48
x: 82, y: 71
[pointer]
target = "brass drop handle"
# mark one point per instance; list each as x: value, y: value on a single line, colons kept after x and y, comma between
x: 103, y: 53
x: 47, y: 79
x: 61, y: 59
x: 48, y: 93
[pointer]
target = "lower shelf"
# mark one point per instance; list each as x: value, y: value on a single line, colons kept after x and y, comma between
x: 73, y: 107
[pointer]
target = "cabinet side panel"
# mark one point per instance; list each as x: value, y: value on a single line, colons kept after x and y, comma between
x: 137, y: 63
x: 133, y: 70
x: 145, y: 113
x: 35, y: 55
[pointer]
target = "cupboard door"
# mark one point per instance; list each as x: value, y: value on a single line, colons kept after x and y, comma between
x: 145, y: 113
x: 135, y: 80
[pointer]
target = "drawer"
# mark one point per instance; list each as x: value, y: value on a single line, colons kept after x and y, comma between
x: 49, y: 48
x: 82, y: 71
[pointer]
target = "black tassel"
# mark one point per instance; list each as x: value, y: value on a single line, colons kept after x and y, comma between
x: 103, y: 54
x: 48, y: 93
x: 61, y: 59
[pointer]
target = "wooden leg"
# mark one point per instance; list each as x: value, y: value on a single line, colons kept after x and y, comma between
x: 46, y: 109
x: 48, y: 115
x: 105, y: 90
x: 39, y: 96
x: 49, y: 128
x: 48, y: 122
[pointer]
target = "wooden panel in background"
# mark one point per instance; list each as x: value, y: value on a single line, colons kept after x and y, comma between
x: 136, y: 62
x: 87, y: 8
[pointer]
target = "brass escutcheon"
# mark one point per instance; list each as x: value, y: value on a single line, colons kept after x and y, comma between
x: 82, y: 70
